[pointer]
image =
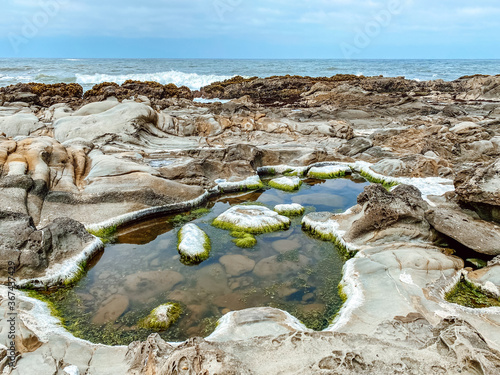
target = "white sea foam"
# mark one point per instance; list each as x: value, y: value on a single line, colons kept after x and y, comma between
x: 192, y: 80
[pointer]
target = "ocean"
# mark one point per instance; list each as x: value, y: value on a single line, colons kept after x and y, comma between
x: 196, y: 73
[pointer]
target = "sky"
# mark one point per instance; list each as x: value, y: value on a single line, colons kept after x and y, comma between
x: 250, y: 29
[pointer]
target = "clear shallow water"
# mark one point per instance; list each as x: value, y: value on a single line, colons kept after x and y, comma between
x: 196, y: 73
x: 288, y: 269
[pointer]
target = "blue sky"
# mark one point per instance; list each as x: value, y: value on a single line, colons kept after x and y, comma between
x: 250, y: 29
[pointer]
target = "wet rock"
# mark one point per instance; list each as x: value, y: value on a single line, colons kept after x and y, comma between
x: 237, y: 265
x: 111, y: 309
x: 477, y: 235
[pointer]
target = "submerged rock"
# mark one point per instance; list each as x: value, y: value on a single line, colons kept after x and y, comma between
x: 194, y: 244
x: 162, y: 317
x: 251, y: 219
x: 111, y: 309
x: 286, y: 183
x: 237, y: 265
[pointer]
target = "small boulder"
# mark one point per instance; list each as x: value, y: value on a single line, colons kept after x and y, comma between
x: 237, y: 265
x: 286, y: 183
x: 251, y: 219
x: 194, y: 244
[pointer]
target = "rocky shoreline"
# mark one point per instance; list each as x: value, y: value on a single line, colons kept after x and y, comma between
x: 71, y: 160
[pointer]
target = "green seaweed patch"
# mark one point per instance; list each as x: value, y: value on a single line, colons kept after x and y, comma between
x: 236, y: 228
x: 152, y: 322
x: 257, y: 186
x: 284, y: 187
x: 54, y: 310
x: 107, y: 234
x: 246, y: 241
x: 291, y: 213
x: 79, y: 274
x: 467, y: 294
x: 209, y: 325
x: 341, y: 247
x: 386, y: 184
x: 181, y: 219
x: 327, y: 176
x: 289, y: 256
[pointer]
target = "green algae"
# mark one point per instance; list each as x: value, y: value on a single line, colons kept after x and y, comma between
x: 289, y: 256
x: 339, y: 244
x: 327, y: 176
x: 467, y: 294
x: 78, y: 275
x: 190, y: 260
x: 107, y: 234
x: 236, y: 228
x: 243, y: 239
x: 181, y: 219
x: 291, y: 213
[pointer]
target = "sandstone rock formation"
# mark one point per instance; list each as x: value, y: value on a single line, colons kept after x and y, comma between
x: 120, y: 153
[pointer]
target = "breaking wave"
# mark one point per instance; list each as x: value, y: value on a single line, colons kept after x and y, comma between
x: 192, y: 80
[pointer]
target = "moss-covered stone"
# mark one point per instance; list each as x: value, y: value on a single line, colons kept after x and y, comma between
x: 294, y: 209
x: 286, y: 183
x: 328, y: 172
x: 193, y: 245
x: 162, y: 317
x: 245, y: 242
x: 251, y: 219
